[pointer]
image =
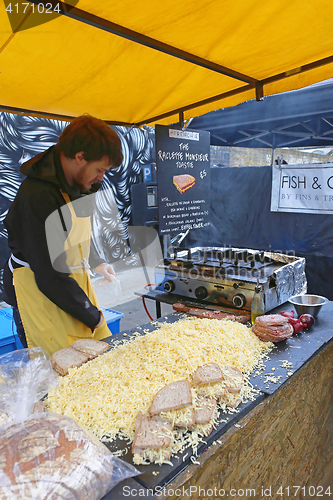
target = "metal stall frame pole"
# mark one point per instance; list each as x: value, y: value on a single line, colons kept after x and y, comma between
x: 166, y: 245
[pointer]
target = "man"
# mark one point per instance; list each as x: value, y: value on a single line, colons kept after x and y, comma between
x: 50, y: 290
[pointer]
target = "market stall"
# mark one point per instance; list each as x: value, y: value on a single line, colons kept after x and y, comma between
x: 285, y: 425
x: 90, y: 59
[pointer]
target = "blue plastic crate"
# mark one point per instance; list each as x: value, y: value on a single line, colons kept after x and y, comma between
x: 9, y: 340
x: 112, y: 319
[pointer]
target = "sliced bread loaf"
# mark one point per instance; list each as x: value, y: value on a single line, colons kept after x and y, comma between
x: 207, y: 374
x: 204, y: 410
x: 151, y: 433
x: 67, y: 358
x: 90, y: 347
x: 171, y: 397
x: 233, y: 378
x: 183, y: 418
x: 52, y: 457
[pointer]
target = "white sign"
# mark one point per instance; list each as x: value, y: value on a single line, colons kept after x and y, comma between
x: 302, y: 188
x: 184, y: 134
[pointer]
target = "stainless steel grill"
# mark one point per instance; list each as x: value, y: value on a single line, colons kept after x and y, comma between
x: 228, y: 276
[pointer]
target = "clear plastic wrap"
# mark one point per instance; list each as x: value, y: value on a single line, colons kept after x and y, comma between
x: 44, y: 455
x: 26, y: 377
x: 106, y: 290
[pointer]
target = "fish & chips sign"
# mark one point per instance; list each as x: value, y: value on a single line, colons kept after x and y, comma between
x: 302, y: 188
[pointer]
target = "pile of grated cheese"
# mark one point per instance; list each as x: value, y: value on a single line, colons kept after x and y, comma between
x: 106, y: 394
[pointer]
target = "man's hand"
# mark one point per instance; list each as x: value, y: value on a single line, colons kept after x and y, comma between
x: 105, y: 269
x: 101, y: 319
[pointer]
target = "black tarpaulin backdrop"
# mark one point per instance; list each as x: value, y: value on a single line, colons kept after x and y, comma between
x: 241, y: 217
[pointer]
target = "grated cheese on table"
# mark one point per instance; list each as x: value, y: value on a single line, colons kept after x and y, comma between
x: 182, y: 416
x: 106, y: 394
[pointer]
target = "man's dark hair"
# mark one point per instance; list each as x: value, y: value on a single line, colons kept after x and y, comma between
x: 92, y: 136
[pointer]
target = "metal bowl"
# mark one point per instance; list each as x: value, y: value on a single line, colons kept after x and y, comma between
x: 308, y: 304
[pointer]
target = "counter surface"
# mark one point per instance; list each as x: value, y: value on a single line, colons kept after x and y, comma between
x: 296, y: 351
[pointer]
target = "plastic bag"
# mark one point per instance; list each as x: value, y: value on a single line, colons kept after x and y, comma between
x: 51, y: 456
x: 26, y: 377
x: 106, y: 291
x: 45, y: 455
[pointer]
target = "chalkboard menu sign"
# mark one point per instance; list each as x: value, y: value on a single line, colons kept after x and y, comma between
x: 183, y: 172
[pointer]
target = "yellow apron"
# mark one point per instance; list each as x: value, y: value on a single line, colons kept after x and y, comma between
x: 45, y: 324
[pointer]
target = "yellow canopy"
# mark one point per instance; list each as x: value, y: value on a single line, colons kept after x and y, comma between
x: 148, y: 61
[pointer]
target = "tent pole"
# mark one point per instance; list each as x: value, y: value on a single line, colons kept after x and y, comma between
x: 181, y: 119
x: 272, y: 156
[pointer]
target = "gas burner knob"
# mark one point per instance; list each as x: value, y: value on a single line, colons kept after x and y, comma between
x: 169, y: 286
x: 239, y: 300
x: 201, y: 292
x: 236, y: 285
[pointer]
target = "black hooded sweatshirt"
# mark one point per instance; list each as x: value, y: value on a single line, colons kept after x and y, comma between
x: 38, y: 197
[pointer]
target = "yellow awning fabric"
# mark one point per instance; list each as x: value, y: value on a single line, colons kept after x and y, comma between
x: 143, y: 62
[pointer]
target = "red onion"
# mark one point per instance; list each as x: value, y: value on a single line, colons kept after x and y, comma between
x: 307, y: 320
x: 298, y: 326
x: 290, y: 314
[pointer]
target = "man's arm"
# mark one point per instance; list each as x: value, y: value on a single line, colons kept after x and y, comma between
x: 57, y: 285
